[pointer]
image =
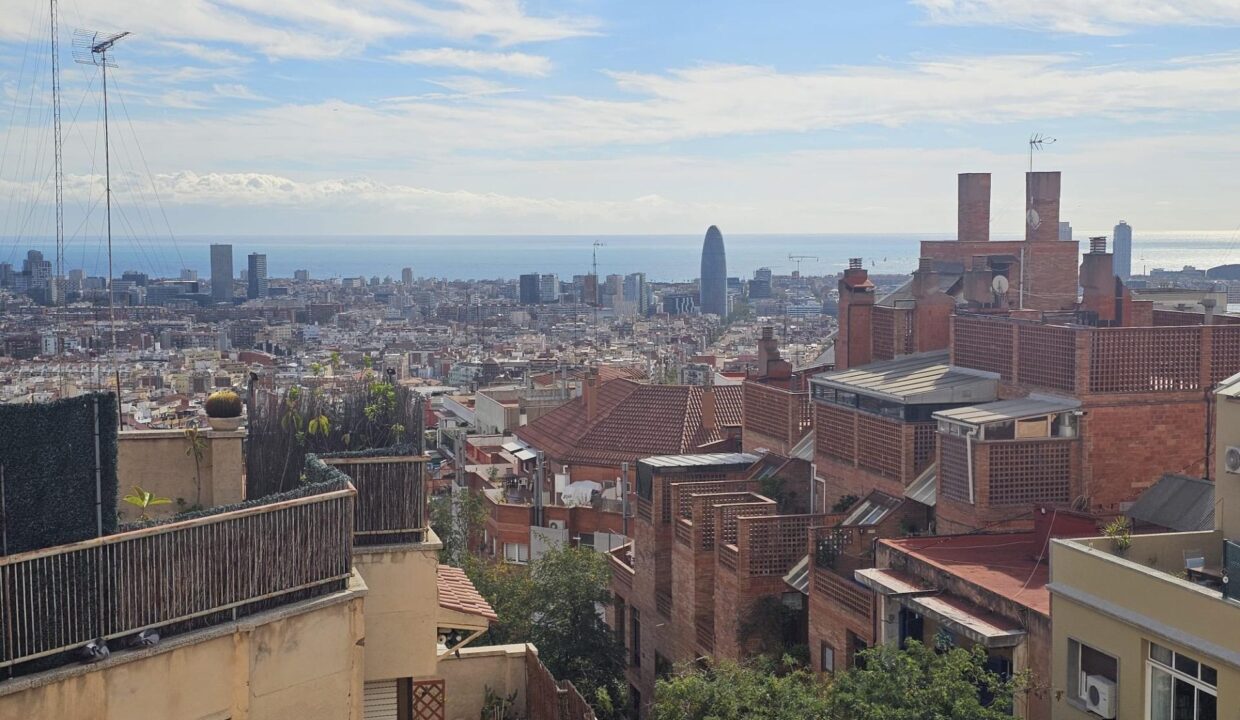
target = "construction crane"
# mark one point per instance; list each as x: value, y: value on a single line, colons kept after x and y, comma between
x: 798, y: 258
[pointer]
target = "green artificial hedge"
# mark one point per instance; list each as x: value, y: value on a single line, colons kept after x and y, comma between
x: 390, y: 451
x: 48, y: 457
x: 323, y: 479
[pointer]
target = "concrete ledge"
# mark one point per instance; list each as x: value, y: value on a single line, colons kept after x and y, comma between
x: 356, y: 589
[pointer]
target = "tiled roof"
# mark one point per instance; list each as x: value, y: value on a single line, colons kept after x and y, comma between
x: 632, y: 421
x: 457, y: 593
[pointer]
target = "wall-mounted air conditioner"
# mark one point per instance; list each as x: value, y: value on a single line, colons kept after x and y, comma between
x: 1100, y: 696
x: 556, y: 524
x: 1231, y: 460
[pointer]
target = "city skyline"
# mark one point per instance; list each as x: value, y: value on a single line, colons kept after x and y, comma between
x: 501, y: 117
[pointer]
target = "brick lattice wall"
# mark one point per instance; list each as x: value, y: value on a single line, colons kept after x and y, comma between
x: 954, y: 468
x: 1047, y: 357
x: 1025, y: 472
x: 1144, y: 360
x: 883, y: 324
x: 835, y: 432
x: 983, y: 344
x: 880, y: 447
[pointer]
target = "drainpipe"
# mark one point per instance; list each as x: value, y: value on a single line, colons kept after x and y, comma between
x: 968, y: 442
x: 1022, y: 290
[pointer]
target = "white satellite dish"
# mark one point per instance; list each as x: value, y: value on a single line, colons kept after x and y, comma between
x: 1034, y: 220
x: 999, y: 285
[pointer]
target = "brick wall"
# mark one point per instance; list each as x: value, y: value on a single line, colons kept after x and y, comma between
x: 773, y: 418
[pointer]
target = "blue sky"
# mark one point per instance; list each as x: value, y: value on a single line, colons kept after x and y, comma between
x: 593, y: 116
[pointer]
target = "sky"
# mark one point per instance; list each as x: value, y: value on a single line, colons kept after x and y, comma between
x: 303, y: 117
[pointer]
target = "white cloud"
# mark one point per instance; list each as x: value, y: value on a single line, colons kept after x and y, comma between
x: 1090, y: 17
x: 469, y: 86
x: 312, y: 29
x: 512, y: 63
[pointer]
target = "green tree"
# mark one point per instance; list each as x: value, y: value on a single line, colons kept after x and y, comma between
x: 457, y: 518
x: 554, y: 603
x: 920, y: 683
x: 761, y: 689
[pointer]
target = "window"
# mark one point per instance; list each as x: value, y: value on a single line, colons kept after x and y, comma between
x: 662, y: 667
x: 516, y: 553
x: 586, y: 540
x: 1084, y: 661
x: 621, y: 615
x: 827, y: 660
x: 1180, y: 687
x: 635, y: 641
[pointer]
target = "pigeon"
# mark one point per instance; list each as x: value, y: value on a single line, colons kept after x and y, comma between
x: 95, y: 651
x: 145, y: 639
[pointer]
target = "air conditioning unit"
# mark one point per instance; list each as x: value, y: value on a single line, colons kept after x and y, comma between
x: 1231, y: 460
x: 1100, y: 696
x: 556, y: 524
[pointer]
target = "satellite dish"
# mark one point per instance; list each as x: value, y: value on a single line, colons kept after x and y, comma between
x: 999, y: 285
x: 1033, y: 219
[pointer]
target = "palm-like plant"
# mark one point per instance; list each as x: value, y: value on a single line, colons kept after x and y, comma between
x: 145, y: 499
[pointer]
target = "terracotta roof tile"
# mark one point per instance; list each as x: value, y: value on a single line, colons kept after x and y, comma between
x: 457, y: 593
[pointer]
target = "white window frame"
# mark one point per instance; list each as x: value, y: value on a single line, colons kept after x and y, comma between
x: 1151, y: 665
x: 1080, y: 698
x: 521, y: 556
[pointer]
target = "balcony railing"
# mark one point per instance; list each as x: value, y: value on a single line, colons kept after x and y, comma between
x: 391, y: 497
x: 179, y: 575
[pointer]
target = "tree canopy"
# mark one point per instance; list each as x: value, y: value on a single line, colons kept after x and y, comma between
x: 914, y: 683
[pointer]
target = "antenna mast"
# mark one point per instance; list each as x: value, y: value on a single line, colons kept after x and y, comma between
x: 91, y: 48
x: 595, y: 299
x: 58, y: 150
x: 1037, y: 141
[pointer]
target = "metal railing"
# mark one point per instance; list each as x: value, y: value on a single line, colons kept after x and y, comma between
x: 58, y: 599
x: 1231, y: 570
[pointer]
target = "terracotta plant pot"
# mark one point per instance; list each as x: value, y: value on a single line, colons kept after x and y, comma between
x: 231, y: 423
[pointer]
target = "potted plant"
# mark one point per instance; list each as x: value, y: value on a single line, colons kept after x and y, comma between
x: 224, y: 410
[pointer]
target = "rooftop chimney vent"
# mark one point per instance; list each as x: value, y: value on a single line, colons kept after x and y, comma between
x: 854, y: 263
x: 1098, y: 244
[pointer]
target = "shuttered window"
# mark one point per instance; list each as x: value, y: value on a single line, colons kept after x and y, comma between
x: 380, y: 701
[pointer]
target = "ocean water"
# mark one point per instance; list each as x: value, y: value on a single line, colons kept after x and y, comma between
x: 661, y: 257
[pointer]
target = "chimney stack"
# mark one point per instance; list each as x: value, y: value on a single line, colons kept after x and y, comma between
x: 1098, y: 286
x: 768, y: 351
x: 973, y: 207
x: 709, y: 419
x: 1042, y: 206
x: 589, y: 393
x: 854, y: 343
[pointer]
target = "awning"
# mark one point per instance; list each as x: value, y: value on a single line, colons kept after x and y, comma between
x: 964, y: 618
x: 460, y: 604
x: 891, y: 582
x: 512, y: 446
x: 524, y: 455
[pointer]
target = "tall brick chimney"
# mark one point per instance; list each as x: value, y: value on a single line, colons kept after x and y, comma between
x: 1042, y: 207
x: 1098, y: 286
x: 768, y: 350
x: 854, y: 344
x: 973, y: 207
x: 589, y: 394
x: 710, y: 419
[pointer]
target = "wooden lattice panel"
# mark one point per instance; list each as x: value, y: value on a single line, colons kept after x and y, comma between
x: 983, y: 345
x: 1025, y: 472
x: 954, y: 468
x: 1047, y: 357
x: 835, y: 432
x: 1165, y: 359
x: 428, y: 700
x: 880, y: 445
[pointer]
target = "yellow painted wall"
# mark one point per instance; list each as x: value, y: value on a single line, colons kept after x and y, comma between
x: 281, y: 664
x: 402, y: 605
x: 1226, y: 485
x: 156, y: 460
x: 1191, y: 611
x: 466, y: 678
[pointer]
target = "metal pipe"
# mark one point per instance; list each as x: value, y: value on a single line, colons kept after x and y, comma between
x: 98, y: 474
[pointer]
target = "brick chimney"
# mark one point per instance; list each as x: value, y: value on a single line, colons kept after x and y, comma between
x: 854, y: 344
x: 973, y: 207
x: 1042, y: 207
x: 589, y: 393
x: 710, y: 419
x: 768, y: 350
x: 1098, y: 288
x: 932, y: 310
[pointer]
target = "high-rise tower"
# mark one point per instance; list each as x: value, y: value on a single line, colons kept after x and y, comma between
x: 714, y: 282
x: 256, y: 277
x: 1122, y: 249
x: 221, y: 273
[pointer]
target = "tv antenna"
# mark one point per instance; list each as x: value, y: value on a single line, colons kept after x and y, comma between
x: 91, y: 48
x: 1038, y: 141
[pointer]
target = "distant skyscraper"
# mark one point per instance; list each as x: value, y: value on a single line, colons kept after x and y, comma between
x: 37, y: 269
x: 256, y: 276
x: 221, y: 273
x: 1122, y: 249
x: 187, y: 274
x: 1065, y: 230
x: 301, y: 275
x: 406, y: 276
x: 760, y: 286
x: 548, y: 288
x: 529, y: 293
x: 714, y: 282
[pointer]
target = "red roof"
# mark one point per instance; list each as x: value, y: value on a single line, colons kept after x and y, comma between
x: 1006, y: 564
x: 456, y: 592
x: 633, y: 421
